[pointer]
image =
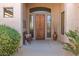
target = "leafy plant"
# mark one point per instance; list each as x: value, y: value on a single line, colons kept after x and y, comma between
x: 9, y: 40
x: 73, y: 45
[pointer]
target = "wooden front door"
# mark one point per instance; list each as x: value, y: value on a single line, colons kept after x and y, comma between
x: 40, y: 26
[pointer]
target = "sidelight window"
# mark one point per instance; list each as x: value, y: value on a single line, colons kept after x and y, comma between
x: 48, y: 26
x: 31, y: 23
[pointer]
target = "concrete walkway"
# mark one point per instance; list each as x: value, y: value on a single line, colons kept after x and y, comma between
x: 42, y: 48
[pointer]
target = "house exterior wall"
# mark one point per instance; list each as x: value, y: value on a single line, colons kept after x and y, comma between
x: 16, y: 21
x: 71, y: 18
x: 55, y: 13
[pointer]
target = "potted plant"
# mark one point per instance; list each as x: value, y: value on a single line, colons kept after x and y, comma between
x: 73, y: 45
x: 55, y: 36
x: 9, y: 41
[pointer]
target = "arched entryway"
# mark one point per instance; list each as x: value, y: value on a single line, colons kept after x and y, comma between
x: 40, y: 23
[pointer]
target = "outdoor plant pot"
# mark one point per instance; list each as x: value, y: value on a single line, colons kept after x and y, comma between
x: 55, y: 36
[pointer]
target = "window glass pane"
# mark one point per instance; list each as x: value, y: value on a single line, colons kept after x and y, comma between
x: 8, y: 12
x: 48, y: 26
x: 62, y: 23
x: 31, y: 25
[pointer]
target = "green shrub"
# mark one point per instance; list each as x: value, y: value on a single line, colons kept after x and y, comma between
x: 73, y: 46
x: 9, y: 40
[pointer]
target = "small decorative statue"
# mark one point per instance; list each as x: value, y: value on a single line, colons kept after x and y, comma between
x: 54, y: 36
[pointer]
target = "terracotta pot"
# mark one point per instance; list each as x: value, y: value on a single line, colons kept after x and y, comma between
x: 55, y: 36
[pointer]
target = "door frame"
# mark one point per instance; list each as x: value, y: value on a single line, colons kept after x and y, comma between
x: 33, y: 14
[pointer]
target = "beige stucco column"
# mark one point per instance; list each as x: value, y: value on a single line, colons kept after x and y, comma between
x: 71, y: 17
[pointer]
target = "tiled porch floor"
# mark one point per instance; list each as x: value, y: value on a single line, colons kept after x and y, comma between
x: 42, y: 48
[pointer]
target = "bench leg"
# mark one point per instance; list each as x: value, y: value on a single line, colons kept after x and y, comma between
x: 23, y: 41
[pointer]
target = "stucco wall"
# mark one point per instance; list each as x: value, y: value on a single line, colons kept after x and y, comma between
x: 71, y: 18
x: 61, y: 35
x: 55, y: 13
x: 16, y: 21
x: 77, y: 16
